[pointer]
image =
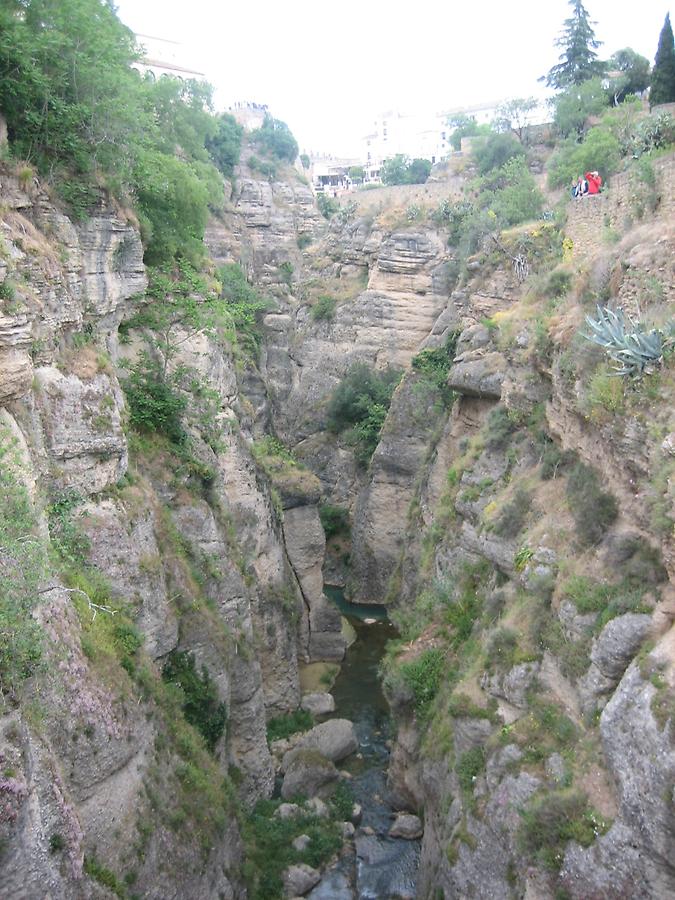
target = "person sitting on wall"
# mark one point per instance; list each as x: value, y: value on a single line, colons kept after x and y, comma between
x: 580, y: 188
x: 594, y: 182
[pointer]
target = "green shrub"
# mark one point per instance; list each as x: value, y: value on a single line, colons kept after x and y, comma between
x: 304, y: 240
x: 360, y: 403
x: 269, y: 846
x: 104, y: 876
x: 469, y: 767
x: 245, y: 306
x: 423, y: 676
x: 593, y: 509
x: 334, y: 519
x: 286, y: 272
x: 501, y: 649
x: 200, y: 703
x: 559, y: 283
x: 284, y: 726
x: 462, y: 706
x: 600, y: 151
x: 23, y: 566
x: 68, y: 540
x: 587, y: 595
x: 154, y: 403
x: 434, y: 366
x: 500, y: 427
x: 553, y: 819
x: 513, y: 515
x: 324, y: 308
x: 577, y: 104
x: 495, y: 151
x: 274, y: 138
x: 328, y: 206
x: 57, y: 842
x: 225, y: 145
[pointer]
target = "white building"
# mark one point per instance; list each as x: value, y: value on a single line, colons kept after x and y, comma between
x: 425, y: 136
x: 162, y: 57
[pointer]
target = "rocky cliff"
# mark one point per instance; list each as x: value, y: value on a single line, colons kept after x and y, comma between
x: 516, y: 516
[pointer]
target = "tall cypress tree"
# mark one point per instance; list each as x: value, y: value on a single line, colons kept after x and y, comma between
x: 578, y: 62
x: 663, y: 73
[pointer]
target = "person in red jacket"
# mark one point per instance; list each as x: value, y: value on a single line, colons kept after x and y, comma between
x: 594, y: 182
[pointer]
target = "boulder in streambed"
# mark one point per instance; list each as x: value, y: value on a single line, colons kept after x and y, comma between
x: 318, y: 703
x: 300, y: 879
x: 308, y: 773
x: 407, y: 826
x: 334, y: 739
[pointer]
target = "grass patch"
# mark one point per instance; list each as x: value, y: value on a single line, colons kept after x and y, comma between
x: 551, y: 820
x: 284, y: 726
x: 269, y: 846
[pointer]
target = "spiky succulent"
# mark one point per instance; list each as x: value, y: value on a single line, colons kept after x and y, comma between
x: 633, y: 349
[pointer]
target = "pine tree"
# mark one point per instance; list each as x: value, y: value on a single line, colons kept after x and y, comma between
x: 663, y: 73
x: 578, y: 61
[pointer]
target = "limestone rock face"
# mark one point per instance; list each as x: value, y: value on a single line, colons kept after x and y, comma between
x: 612, y: 651
x: 305, y: 544
x: 381, y: 509
x: 16, y: 367
x: 112, y: 265
x: 82, y: 425
x: 478, y: 375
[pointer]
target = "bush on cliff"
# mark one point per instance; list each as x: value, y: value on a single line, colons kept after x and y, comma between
x: 274, y: 138
x: 76, y: 109
x: 359, y: 406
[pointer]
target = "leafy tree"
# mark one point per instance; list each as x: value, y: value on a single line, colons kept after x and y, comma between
x: 67, y: 90
x: 663, y: 74
x: 512, y: 194
x: 574, y: 106
x: 401, y: 170
x: 225, y: 144
x: 465, y: 126
x: 77, y: 110
x: 634, y: 77
x: 394, y: 170
x: 357, y: 173
x: 496, y: 151
x: 304, y: 159
x: 274, y: 138
x: 599, y: 151
x: 181, y: 113
x: 514, y: 115
x: 173, y: 205
x: 578, y: 60
x: 418, y: 171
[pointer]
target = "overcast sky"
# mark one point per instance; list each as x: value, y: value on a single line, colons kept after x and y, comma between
x: 328, y: 68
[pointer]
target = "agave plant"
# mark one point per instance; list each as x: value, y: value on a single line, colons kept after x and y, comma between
x: 634, y: 350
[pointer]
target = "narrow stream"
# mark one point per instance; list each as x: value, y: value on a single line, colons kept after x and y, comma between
x: 382, y: 867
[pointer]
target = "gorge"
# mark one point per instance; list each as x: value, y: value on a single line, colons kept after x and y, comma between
x: 192, y: 461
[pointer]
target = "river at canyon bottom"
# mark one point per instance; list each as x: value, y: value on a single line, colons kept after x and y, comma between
x: 379, y: 867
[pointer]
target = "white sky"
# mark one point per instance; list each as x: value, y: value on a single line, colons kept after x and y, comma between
x: 328, y: 68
